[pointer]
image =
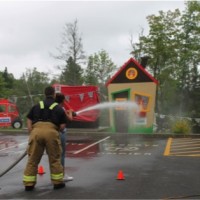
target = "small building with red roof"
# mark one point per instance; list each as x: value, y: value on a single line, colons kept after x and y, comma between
x: 132, y: 83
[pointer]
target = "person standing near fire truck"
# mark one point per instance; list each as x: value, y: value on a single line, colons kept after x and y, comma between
x: 44, y: 121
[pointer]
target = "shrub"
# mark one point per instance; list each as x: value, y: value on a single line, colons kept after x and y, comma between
x: 181, y: 126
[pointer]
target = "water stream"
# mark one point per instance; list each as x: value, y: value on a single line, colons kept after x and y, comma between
x: 105, y: 105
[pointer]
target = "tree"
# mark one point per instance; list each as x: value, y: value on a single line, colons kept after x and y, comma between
x: 71, y: 51
x: 173, y: 45
x: 100, y: 66
x: 90, y: 72
x: 9, y: 78
x: 99, y: 69
x: 2, y: 86
x: 7, y: 82
x: 190, y: 58
x: 71, y: 45
x: 29, y: 89
x: 72, y: 73
x: 160, y: 46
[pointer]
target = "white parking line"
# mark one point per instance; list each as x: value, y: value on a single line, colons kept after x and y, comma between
x: 13, y: 146
x: 76, y: 152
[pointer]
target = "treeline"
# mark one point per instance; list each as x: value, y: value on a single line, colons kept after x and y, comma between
x: 172, y: 48
x: 29, y: 88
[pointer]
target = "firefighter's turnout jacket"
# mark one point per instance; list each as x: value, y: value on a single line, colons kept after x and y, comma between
x: 46, y: 118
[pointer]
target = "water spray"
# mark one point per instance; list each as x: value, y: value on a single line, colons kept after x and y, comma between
x: 115, y: 104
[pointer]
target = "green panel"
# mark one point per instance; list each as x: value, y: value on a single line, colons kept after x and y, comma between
x: 112, y: 129
x: 141, y: 130
x: 120, y: 91
x: 136, y: 130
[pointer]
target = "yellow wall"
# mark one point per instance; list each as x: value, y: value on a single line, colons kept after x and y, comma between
x: 146, y: 88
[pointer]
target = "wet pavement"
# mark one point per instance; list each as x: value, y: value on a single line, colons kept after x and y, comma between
x: 153, y: 167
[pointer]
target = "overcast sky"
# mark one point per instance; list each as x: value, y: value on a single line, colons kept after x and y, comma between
x: 31, y: 30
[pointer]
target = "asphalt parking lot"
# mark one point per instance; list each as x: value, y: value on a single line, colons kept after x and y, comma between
x: 152, y: 167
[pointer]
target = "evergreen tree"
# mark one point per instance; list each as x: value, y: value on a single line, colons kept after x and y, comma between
x: 7, y: 82
x: 90, y: 77
x: 2, y: 86
x: 9, y: 78
x: 72, y: 73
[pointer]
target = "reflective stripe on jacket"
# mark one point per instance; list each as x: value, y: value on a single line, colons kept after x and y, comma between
x: 51, y: 107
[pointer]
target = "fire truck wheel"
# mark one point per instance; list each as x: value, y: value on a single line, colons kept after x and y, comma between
x: 17, y: 124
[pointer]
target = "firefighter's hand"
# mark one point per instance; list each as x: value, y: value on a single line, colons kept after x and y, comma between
x: 69, y: 114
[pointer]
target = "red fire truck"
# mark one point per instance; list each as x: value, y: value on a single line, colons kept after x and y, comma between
x: 79, y: 98
x: 9, y: 114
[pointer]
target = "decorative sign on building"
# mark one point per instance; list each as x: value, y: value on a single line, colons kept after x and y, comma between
x: 131, y: 73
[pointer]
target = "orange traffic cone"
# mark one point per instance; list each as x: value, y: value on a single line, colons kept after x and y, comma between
x: 120, y: 175
x: 41, y: 170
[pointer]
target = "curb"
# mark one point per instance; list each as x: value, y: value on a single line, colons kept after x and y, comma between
x: 87, y: 134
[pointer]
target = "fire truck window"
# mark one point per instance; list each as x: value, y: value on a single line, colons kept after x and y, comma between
x: 2, y: 108
x: 11, y: 109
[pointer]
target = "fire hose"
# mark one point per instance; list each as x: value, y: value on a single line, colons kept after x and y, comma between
x: 13, y: 164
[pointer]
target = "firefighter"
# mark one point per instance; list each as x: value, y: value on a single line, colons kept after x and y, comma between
x: 44, y: 121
